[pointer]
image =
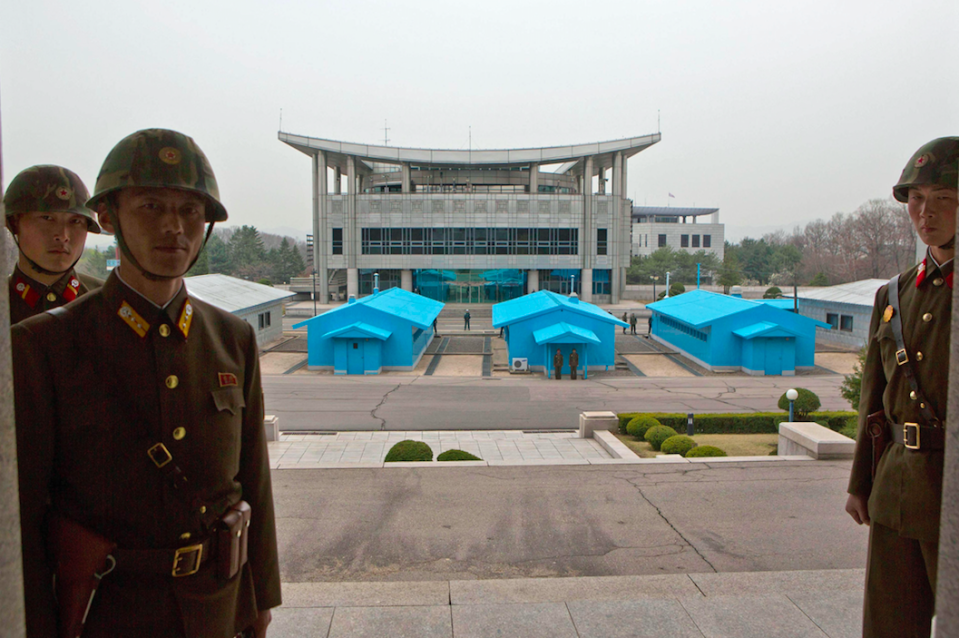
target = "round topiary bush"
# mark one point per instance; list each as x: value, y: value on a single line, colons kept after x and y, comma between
x: 639, y: 425
x: 679, y: 444
x: 457, y: 455
x: 676, y: 289
x: 656, y: 435
x: 773, y: 292
x: 409, y: 451
x: 806, y: 403
x: 704, y: 450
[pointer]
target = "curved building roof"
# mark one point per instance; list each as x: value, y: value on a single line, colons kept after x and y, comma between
x: 601, y: 151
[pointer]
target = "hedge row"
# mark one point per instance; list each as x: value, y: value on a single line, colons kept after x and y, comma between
x: 749, y: 423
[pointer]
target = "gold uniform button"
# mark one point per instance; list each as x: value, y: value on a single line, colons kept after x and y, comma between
x: 185, y: 536
x: 937, y: 281
x: 51, y: 296
x: 912, y: 395
x: 918, y: 356
x: 172, y: 381
x: 164, y: 330
x: 179, y: 433
x: 927, y: 317
x: 203, y: 509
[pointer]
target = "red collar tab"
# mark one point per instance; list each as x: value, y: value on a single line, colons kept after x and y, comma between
x: 921, y: 273
x: 949, y: 279
x: 26, y: 291
x: 73, y: 288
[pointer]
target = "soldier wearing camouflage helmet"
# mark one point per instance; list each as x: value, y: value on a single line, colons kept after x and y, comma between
x: 140, y: 420
x: 896, y: 487
x: 44, y: 210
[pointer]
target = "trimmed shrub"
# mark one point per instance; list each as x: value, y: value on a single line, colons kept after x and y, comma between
x: 806, y: 403
x: 655, y: 436
x: 639, y: 426
x: 819, y: 280
x: 735, y: 423
x: 457, y: 455
x: 624, y: 419
x: 704, y: 450
x: 851, y: 429
x: 679, y: 444
x: 409, y: 451
x: 676, y: 289
x: 851, y: 387
x: 773, y: 292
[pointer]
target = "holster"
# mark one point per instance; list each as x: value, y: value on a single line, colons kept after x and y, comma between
x: 81, y: 557
x: 878, y: 432
x: 233, y: 534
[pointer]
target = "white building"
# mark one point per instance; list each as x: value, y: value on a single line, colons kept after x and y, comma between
x: 845, y: 307
x: 471, y: 226
x: 655, y: 227
x: 260, y: 306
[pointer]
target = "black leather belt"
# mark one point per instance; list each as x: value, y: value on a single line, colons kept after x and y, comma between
x: 921, y: 438
x: 184, y: 561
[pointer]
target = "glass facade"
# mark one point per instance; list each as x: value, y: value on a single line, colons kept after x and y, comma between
x: 470, y: 241
x: 389, y: 278
x: 559, y: 280
x: 470, y: 286
x: 601, y: 281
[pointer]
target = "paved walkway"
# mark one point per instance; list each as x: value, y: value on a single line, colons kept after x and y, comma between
x: 800, y: 604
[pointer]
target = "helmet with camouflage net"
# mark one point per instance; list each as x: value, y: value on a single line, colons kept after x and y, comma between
x: 159, y: 158
x: 47, y: 189
x: 934, y: 163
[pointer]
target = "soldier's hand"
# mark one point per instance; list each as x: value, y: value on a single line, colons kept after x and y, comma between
x: 858, y: 508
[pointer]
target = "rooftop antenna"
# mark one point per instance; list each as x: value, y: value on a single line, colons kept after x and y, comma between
x: 281, y: 118
x: 386, y: 134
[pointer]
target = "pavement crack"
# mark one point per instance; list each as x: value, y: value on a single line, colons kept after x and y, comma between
x: 673, y: 527
x: 380, y: 404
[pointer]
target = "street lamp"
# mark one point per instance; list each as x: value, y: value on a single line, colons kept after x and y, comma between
x: 667, y: 283
x: 792, y: 395
x: 655, y: 278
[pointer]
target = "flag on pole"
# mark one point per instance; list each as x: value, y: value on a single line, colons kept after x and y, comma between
x: 673, y: 196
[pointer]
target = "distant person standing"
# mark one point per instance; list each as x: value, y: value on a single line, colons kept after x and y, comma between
x: 558, y: 364
x: 466, y: 319
x: 895, y: 485
x: 625, y: 320
x: 632, y: 323
x: 649, y: 329
x: 573, y: 364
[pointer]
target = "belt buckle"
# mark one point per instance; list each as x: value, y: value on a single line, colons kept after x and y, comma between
x: 182, y: 554
x: 901, y: 357
x: 159, y: 455
x: 906, y: 429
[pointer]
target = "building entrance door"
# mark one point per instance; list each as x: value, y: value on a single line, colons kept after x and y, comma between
x: 354, y: 357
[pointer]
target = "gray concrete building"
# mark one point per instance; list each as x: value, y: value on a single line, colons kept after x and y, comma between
x: 259, y: 305
x: 847, y: 308
x: 655, y: 227
x: 471, y: 226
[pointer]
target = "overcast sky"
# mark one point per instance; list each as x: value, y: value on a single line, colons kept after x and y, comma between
x: 777, y: 112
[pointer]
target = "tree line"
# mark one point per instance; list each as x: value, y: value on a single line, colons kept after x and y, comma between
x: 877, y: 240
x: 242, y: 252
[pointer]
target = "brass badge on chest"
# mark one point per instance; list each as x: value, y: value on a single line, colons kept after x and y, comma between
x: 228, y: 379
x: 887, y: 314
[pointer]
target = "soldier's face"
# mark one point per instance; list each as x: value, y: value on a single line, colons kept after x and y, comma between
x: 52, y: 240
x: 932, y: 209
x: 163, y: 227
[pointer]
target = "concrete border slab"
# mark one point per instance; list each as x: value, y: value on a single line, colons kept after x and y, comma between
x: 786, y: 582
x: 540, y: 590
x: 293, y: 622
x: 545, y: 620
x: 395, y: 622
x: 651, y: 618
x: 772, y: 616
x: 370, y: 594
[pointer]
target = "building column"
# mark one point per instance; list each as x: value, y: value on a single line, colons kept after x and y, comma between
x: 587, y: 243
x: 337, y: 181
x: 350, y: 241
x: 406, y: 178
x: 618, y: 175
x: 533, y: 178
x: 406, y: 280
x: 601, y: 182
x: 532, y: 280
x: 321, y: 243
x: 352, y: 282
x: 586, y: 284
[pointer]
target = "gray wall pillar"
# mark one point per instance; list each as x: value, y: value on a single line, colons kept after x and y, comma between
x: 337, y: 181
x: 350, y: 240
x: 947, y: 585
x: 618, y: 175
x: 601, y: 182
x: 406, y: 280
x: 532, y: 280
x: 533, y: 178
x: 586, y: 284
x: 587, y: 242
x: 321, y: 245
x: 406, y: 178
x: 11, y: 568
x: 352, y: 282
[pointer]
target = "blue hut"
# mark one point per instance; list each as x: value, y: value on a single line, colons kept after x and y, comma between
x: 725, y: 333
x: 535, y: 325
x: 387, y: 330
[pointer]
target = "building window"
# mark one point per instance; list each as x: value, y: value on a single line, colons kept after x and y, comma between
x: 662, y: 241
x: 601, y: 241
x: 707, y: 241
x: 845, y: 323
x: 469, y: 241
x: 264, y: 320
x: 601, y: 279
x: 833, y: 320
x: 695, y: 241
x: 337, y: 241
x: 684, y: 241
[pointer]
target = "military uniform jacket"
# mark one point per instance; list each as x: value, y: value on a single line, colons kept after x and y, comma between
x: 907, y: 491
x: 29, y: 297
x: 98, y: 381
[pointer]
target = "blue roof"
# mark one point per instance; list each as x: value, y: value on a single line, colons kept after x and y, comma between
x: 783, y: 304
x: 764, y: 329
x: 562, y: 332
x: 700, y: 307
x: 544, y: 301
x: 359, y: 330
x: 417, y: 309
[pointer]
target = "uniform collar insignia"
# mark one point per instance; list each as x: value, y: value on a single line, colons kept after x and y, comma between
x: 133, y: 319
x: 72, y: 288
x: 921, y: 273
x: 26, y: 290
x: 949, y: 279
x: 227, y: 379
x: 186, y: 318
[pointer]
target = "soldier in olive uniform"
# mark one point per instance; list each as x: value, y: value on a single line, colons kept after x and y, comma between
x: 140, y: 417
x: 573, y: 364
x: 45, y: 211
x: 558, y: 364
x: 902, y: 502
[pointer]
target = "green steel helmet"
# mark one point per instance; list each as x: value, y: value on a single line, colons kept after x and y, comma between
x: 934, y: 163
x: 159, y: 158
x: 48, y: 189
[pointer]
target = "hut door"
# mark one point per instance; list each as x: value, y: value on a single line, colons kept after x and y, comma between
x: 774, y: 356
x: 354, y: 357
